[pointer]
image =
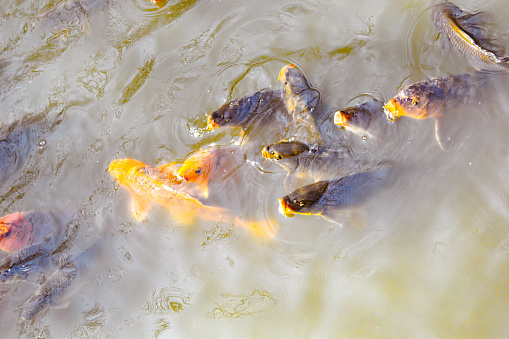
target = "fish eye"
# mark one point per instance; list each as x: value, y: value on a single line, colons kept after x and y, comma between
x: 302, y: 204
x: 278, y: 157
x: 272, y: 152
x: 198, y: 171
x: 286, y: 83
x: 354, y: 114
x: 415, y: 102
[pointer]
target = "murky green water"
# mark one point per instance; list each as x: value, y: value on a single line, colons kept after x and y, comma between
x: 111, y: 79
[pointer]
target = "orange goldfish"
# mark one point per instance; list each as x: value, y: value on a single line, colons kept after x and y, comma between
x: 214, y: 163
x: 160, y: 186
x: 15, y: 232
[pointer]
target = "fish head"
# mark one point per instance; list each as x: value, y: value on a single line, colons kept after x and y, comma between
x: 304, y: 200
x: 283, y: 150
x: 126, y: 171
x: 292, y: 80
x: 358, y: 116
x: 234, y: 113
x: 199, y: 166
x: 15, y: 232
x: 353, y: 117
x: 412, y: 101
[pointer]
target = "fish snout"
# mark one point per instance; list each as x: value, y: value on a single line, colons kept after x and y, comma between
x: 285, y: 209
x: 283, y: 71
x: 211, y: 124
x: 340, y: 119
x: 393, y: 110
x: 265, y: 152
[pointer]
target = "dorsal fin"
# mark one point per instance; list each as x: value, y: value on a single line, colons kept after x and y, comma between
x: 475, y: 26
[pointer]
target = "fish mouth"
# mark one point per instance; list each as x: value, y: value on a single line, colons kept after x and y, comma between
x: 285, y: 209
x: 393, y: 110
x: 340, y: 119
x: 265, y: 153
x: 182, y: 177
x: 211, y: 124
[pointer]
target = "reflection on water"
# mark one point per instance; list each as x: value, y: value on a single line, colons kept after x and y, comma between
x: 84, y: 82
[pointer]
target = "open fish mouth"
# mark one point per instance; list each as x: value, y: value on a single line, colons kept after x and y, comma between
x: 211, y: 124
x: 391, y: 109
x: 284, y: 209
x: 340, y: 119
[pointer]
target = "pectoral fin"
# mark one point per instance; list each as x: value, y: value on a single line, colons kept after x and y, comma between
x: 334, y: 216
x: 439, y: 133
x: 449, y: 133
x: 140, y: 207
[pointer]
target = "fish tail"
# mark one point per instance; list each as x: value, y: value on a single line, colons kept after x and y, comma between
x: 38, y: 303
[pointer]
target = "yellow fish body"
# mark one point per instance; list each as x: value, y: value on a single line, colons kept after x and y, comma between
x: 160, y: 186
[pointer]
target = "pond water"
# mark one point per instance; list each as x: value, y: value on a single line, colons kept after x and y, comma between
x: 428, y: 257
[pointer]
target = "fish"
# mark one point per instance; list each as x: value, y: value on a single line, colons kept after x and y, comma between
x: 363, y: 119
x: 149, y: 186
x: 286, y: 112
x: 328, y: 198
x: 60, y: 283
x: 431, y: 98
x: 29, y: 238
x: 315, y: 161
x: 301, y: 101
x: 210, y: 165
x: 245, y: 111
x: 464, y: 31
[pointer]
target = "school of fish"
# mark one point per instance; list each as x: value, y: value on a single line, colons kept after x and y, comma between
x: 322, y: 179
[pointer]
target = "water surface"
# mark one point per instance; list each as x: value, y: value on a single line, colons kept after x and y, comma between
x: 427, y: 258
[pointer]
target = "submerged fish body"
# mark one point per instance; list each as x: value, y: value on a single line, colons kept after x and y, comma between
x: 150, y: 186
x: 315, y: 161
x: 328, y: 197
x: 59, y: 284
x: 56, y: 285
x: 16, y: 144
x: 363, y: 119
x: 464, y: 33
x: 210, y: 165
x: 301, y: 101
x: 243, y: 112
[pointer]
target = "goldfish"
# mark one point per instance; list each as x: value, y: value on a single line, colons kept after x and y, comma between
x: 209, y: 165
x: 19, y: 230
x: 149, y: 186
x: 465, y: 34
x: 328, y: 198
